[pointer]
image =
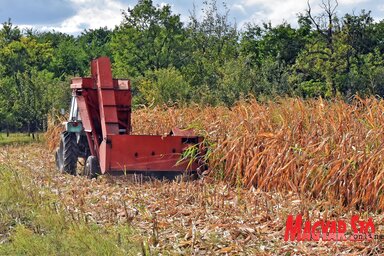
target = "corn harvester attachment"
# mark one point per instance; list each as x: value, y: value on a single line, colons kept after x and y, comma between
x: 99, y: 131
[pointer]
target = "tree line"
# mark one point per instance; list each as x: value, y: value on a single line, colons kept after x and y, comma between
x: 207, y: 60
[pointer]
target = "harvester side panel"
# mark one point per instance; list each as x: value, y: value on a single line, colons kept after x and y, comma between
x: 149, y: 153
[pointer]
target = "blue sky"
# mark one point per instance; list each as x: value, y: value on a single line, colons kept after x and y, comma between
x: 72, y: 16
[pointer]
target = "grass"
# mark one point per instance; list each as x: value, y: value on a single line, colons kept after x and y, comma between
x: 17, y: 138
x: 33, y: 222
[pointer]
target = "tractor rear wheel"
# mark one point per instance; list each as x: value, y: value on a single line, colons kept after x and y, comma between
x: 67, y: 153
x: 92, y: 167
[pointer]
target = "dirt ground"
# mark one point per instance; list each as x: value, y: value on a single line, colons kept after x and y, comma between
x: 202, y: 217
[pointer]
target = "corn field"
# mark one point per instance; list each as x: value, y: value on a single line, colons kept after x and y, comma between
x: 330, y: 150
x: 327, y: 149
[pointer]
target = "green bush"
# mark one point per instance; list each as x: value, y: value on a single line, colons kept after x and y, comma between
x: 164, y: 86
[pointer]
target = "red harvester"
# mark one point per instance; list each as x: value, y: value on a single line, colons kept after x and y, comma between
x: 99, y: 130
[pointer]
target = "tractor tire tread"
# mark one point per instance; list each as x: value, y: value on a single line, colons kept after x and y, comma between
x: 70, y: 152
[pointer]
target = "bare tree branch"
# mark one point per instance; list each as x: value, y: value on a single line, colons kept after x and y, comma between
x: 336, y: 5
x: 309, y: 13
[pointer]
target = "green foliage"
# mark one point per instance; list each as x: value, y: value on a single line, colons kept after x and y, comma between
x: 359, y: 30
x: 313, y: 89
x: 29, y: 90
x: 164, y: 86
x: 274, y: 79
x: 69, y: 59
x: 281, y: 43
x: 9, y: 33
x: 366, y: 75
x: 95, y: 42
x: 237, y: 80
x: 340, y: 59
x: 212, y: 41
x: 149, y: 38
x: 34, y: 223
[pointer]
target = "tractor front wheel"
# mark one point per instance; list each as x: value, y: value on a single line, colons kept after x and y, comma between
x: 67, y: 153
x: 92, y: 167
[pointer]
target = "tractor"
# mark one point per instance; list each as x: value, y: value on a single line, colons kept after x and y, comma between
x: 99, y: 131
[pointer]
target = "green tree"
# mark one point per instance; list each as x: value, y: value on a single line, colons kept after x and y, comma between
x: 237, y: 80
x: 322, y: 64
x: 359, y: 30
x: 212, y: 41
x: 9, y: 33
x: 69, y: 59
x: 336, y: 58
x: 149, y: 38
x: 95, y: 42
x: 271, y: 51
x: 23, y: 60
x: 282, y: 42
x: 8, y: 96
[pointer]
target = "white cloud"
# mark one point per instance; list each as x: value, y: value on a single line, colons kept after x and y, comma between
x: 278, y: 11
x: 276, y: 3
x: 91, y: 14
x: 239, y: 7
x: 351, y: 2
x: 275, y: 11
